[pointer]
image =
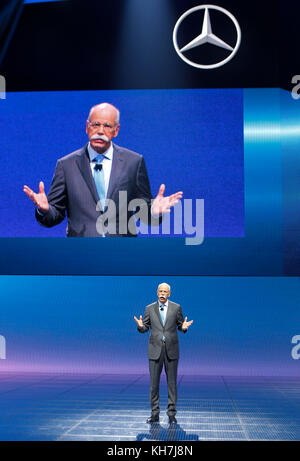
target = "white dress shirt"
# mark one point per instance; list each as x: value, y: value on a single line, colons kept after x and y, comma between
x: 165, y: 308
x: 106, y: 163
x: 165, y: 311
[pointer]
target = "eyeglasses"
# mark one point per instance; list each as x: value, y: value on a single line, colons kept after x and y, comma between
x: 106, y: 126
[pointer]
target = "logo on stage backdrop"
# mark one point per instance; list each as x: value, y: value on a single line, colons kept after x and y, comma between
x: 208, y: 41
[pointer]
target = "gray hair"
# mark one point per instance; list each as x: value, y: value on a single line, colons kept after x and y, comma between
x: 117, y: 120
x: 164, y: 284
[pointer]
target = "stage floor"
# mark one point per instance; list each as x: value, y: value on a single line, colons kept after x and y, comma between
x: 57, y: 406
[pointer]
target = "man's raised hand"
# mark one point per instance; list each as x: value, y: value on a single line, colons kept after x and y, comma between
x: 139, y: 321
x: 186, y: 324
x: 40, y: 199
x: 163, y: 204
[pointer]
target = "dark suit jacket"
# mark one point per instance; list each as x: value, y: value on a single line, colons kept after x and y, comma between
x: 73, y: 191
x: 174, y: 320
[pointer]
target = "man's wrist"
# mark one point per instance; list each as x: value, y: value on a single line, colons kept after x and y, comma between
x: 157, y: 216
x: 41, y: 212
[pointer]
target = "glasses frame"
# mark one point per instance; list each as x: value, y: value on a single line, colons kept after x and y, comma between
x: 106, y: 126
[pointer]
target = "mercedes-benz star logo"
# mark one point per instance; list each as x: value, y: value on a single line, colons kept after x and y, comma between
x: 207, y: 36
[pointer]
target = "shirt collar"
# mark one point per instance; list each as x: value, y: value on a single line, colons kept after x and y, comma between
x: 166, y: 303
x: 108, y: 154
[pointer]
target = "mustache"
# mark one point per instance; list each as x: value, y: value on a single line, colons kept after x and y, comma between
x: 102, y: 137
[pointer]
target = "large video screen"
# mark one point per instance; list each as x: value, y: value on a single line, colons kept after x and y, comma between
x: 191, y: 140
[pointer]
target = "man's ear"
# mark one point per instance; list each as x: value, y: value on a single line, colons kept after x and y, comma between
x: 116, y: 131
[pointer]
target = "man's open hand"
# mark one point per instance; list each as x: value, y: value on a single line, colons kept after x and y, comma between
x: 186, y: 324
x: 40, y: 199
x: 163, y: 204
x: 139, y: 321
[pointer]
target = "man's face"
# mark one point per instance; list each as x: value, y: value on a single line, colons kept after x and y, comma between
x: 101, y: 128
x: 163, y: 292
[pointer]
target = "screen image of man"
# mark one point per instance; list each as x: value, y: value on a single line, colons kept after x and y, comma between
x: 164, y: 318
x: 98, y: 182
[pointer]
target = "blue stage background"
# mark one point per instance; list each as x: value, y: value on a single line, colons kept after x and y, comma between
x: 242, y: 325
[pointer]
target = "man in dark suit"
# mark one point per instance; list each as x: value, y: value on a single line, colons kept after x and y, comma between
x: 164, y: 317
x: 95, y: 185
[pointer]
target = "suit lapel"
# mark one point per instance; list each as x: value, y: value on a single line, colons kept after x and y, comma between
x: 85, y: 169
x: 156, y: 308
x: 116, y: 170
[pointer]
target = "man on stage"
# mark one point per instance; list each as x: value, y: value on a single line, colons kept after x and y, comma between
x: 163, y: 317
x: 98, y: 174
